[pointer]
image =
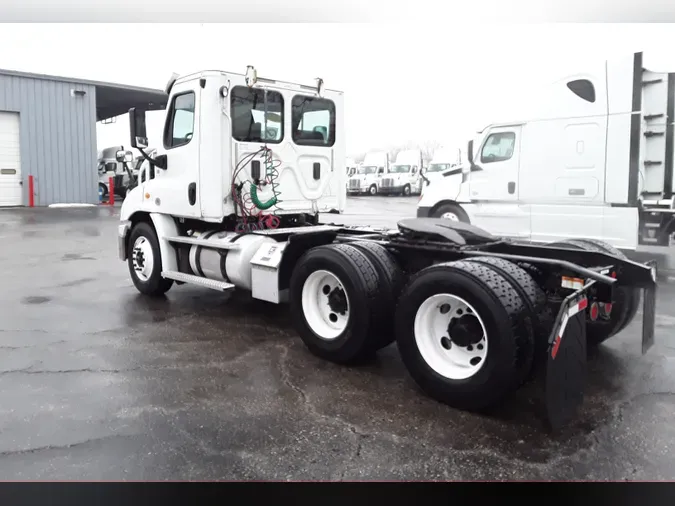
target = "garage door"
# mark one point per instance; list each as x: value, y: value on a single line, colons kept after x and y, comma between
x: 10, y: 160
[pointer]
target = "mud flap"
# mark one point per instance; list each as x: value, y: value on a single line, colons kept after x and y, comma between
x: 566, y: 362
x: 649, y: 312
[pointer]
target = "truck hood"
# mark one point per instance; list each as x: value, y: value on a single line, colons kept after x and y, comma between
x: 448, y: 188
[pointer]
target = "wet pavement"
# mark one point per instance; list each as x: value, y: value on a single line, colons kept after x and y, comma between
x: 98, y: 382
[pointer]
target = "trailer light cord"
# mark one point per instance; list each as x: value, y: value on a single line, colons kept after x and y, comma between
x: 247, y: 200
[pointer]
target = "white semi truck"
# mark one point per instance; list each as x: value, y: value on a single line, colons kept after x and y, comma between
x: 444, y: 160
x: 227, y: 207
x: 367, y: 178
x: 403, y: 177
x: 593, y: 159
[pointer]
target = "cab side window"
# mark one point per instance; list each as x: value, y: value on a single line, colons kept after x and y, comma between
x: 498, y: 147
x: 180, y: 123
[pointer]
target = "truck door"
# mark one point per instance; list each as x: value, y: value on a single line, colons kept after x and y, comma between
x: 494, y: 186
x: 181, y: 141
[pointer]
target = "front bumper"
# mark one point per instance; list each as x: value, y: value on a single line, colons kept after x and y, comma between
x: 122, y: 231
x: 387, y: 190
x: 423, y: 212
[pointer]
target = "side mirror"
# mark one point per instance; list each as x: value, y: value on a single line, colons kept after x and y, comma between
x: 469, y: 152
x: 139, y: 136
x: 124, y: 156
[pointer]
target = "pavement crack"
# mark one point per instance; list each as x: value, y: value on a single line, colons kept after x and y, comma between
x: 30, y: 370
x: 77, y: 444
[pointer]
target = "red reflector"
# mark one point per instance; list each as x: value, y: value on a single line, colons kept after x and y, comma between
x: 608, y: 308
x: 594, y: 311
x: 613, y: 275
x: 583, y: 303
x: 556, y: 345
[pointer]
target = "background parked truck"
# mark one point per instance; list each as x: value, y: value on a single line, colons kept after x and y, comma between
x: 404, y: 175
x: 594, y: 160
x: 368, y: 175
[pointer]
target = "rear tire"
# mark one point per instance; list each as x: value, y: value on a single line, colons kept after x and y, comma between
x: 536, y: 323
x: 632, y: 296
x: 600, y: 330
x: 391, y: 283
x: 145, y: 261
x: 333, y: 303
x: 465, y: 370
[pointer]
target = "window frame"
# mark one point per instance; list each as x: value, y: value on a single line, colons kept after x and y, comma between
x: 168, y: 126
x: 500, y: 159
x: 332, y: 123
x: 282, y: 123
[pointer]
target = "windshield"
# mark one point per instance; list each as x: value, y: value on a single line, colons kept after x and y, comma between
x: 369, y: 169
x: 439, y: 167
x: 398, y: 169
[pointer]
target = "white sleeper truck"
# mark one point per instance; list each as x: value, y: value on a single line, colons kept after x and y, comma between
x: 230, y: 205
x: 404, y: 175
x: 368, y: 175
x: 593, y: 159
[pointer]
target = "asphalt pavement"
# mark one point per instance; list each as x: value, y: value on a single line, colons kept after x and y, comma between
x: 100, y: 383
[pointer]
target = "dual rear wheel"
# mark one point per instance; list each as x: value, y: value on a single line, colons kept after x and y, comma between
x: 466, y: 330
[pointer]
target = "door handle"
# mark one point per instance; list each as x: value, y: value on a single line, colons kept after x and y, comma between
x: 192, y: 193
x: 512, y: 187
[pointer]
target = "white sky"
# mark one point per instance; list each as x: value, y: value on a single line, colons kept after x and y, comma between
x: 401, y: 82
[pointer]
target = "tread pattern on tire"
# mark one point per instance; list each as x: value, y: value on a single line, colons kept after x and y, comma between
x: 505, y: 295
x: 502, y: 294
x: 369, y: 275
x: 536, y: 323
x: 390, y: 288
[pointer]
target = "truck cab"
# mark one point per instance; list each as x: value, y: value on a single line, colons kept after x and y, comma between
x: 593, y: 158
x: 404, y: 175
x: 444, y: 160
x: 237, y: 148
x: 368, y: 175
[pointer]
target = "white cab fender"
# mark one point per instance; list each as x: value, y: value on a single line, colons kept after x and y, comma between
x: 166, y: 227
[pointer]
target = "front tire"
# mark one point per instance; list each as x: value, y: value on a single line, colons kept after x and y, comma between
x: 406, y: 190
x: 145, y: 261
x: 333, y: 303
x: 451, y: 212
x: 457, y: 333
x: 372, y: 191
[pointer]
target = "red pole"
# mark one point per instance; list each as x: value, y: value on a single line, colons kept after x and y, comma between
x: 111, y: 191
x: 31, y: 192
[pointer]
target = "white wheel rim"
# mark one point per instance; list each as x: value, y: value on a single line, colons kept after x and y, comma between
x: 436, y: 346
x: 142, y: 258
x: 325, y: 321
x: 450, y: 216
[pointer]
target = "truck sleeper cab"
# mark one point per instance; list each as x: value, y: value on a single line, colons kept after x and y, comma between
x: 594, y: 160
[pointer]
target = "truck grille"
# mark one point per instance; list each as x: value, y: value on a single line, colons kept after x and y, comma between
x: 387, y: 182
x: 354, y: 184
